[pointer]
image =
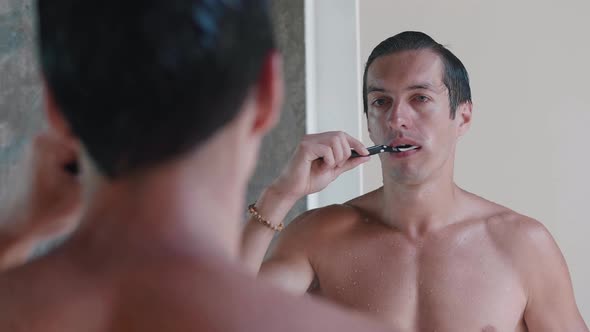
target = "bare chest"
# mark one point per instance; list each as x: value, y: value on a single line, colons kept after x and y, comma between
x: 455, y: 285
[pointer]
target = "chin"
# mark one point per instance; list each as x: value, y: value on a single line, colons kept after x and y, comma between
x: 408, y: 177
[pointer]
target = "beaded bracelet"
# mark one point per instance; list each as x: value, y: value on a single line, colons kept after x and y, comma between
x: 254, y: 213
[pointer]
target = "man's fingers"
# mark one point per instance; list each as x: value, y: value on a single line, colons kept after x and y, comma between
x: 352, y: 163
x: 324, y: 152
x: 346, y: 151
x: 333, y: 147
x: 357, y: 145
x: 338, y: 149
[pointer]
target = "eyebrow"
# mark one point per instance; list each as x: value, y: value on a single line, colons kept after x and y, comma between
x: 421, y: 86
x: 372, y: 88
x: 418, y: 86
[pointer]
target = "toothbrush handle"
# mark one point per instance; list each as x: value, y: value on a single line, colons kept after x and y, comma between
x: 372, y: 150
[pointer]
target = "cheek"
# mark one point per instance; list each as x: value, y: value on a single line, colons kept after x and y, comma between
x: 433, y: 134
x: 444, y: 137
x: 376, y: 130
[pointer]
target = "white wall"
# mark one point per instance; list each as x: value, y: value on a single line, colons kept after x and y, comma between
x: 529, y: 62
x: 333, y: 94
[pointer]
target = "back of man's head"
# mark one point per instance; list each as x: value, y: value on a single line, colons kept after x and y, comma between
x: 143, y: 81
x: 455, y: 76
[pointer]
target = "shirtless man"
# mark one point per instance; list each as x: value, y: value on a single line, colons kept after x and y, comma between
x: 418, y: 253
x: 164, y: 103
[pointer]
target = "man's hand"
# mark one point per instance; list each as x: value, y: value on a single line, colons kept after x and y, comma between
x: 49, y: 206
x: 318, y: 160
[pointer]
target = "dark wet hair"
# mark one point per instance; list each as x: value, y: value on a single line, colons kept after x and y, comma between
x: 455, y: 76
x: 143, y: 81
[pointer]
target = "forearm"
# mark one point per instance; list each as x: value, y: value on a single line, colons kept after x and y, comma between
x: 256, y: 238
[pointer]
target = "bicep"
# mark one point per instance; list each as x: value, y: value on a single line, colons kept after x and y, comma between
x: 293, y: 274
x: 289, y: 264
x: 553, y: 307
x: 551, y: 304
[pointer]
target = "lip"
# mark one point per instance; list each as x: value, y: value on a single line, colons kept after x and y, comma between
x: 403, y: 141
x: 405, y: 154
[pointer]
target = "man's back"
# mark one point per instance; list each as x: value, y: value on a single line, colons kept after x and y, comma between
x: 474, y: 274
x: 55, y: 293
x: 74, y: 290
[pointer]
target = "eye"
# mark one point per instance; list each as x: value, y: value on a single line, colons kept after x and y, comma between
x: 380, y: 102
x: 421, y: 99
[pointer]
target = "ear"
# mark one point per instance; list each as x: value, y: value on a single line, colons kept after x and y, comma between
x: 464, y: 113
x: 269, y: 94
x: 57, y: 122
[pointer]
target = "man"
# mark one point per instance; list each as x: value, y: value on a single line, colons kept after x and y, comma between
x: 419, y: 253
x: 164, y: 103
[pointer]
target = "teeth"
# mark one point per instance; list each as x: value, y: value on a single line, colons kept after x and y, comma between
x: 404, y: 148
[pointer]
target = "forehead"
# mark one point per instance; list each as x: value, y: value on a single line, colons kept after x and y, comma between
x: 407, y: 68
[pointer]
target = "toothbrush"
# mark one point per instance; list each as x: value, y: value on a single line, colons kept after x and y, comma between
x: 375, y: 150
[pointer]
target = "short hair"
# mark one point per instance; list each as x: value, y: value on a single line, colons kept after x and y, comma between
x: 141, y: 82
x: 455, y: 76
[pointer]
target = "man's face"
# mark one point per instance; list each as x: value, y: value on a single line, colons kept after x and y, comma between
x: 408, y: 104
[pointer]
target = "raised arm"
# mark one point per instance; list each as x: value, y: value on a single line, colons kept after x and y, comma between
x: 317, y: 161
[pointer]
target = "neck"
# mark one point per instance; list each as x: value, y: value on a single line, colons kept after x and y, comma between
x: 170, y: 211
x: 416, y: 209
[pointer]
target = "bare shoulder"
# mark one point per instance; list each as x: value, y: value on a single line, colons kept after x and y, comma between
x: 327, y: 222
x: 330, y: 218
x: 319, y: 226
x: 514, y: 231
x: 214, y: 295
x: 37, y: 292
x: 520, y: 237
x: 535, y: 257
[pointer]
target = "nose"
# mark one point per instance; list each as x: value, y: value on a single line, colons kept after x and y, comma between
x: 399, y: 117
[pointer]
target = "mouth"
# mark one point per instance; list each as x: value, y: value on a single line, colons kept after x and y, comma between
x: 406, y: 148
